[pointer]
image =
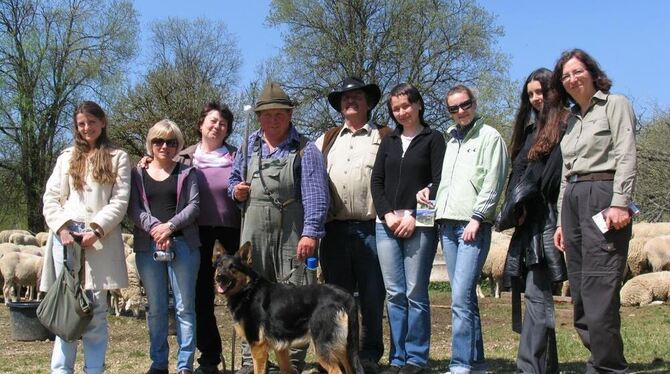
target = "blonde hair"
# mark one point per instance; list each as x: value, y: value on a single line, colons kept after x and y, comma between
x: 165, y: 129
x: 101, y: 159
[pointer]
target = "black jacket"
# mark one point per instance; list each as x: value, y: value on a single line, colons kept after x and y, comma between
x: 395, y: 179
x: 535, y: 191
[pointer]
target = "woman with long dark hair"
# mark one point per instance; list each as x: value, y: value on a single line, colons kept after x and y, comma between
x: 533, y: 262
x: 408, y: 159
x: 86, y: 197
x: 598, y: 177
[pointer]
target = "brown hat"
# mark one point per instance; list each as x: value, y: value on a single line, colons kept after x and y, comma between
x: 273, y: 97
x: 351, y: 84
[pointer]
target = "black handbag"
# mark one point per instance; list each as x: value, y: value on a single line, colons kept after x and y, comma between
x: 67, y: 308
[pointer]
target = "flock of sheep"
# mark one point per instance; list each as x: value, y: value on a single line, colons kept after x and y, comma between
x: 647, y: 277
x: 21, y: 259
x: 647, y: 274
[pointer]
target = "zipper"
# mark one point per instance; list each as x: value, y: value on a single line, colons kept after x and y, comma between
x: 451, y: 177
x: 402, y: 159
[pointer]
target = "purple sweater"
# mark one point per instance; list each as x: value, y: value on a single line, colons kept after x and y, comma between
x: 216, y: 207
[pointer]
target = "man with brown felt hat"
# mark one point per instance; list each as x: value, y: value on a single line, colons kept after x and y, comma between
x: 348, y: 252
x: 286, y: 195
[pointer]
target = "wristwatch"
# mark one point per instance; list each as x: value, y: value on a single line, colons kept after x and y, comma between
x: 172, y: 227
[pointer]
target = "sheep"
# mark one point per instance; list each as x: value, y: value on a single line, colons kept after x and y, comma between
x: 128, y: 239
x: 636, y: 263
x: 658, y: 253
x: 23, y: 239
x: 645, y: 288
x: 650, y: 229
x: 127, y: 250
x: 8, y: 247
x: 130, y: 297
x: 19, y: 269
x: 494, y: 266
x: 42, y: 238
x: 31, y: 249
x: 5, y: 234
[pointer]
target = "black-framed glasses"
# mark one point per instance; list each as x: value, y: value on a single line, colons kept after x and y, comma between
x: 171, y: 143
x: 453, y: 109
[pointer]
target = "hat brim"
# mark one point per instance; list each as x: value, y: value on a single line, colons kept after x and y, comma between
x: 269, y: 106
x: 372, y: 90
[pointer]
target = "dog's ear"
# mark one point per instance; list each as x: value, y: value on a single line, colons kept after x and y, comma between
x: 217, y: 252
x: 245, y: 253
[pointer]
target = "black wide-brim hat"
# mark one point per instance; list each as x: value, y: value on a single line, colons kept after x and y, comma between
x: 351, y: 84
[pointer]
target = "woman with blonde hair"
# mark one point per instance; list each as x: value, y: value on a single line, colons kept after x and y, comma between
x: 164, y: 205
x: 86, y: 198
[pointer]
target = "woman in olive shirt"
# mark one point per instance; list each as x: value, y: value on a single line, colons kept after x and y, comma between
x: 599, y: 168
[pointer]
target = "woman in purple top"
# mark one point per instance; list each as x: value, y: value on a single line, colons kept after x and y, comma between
x: 219, y: 219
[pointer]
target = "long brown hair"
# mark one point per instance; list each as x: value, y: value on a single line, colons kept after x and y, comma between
x: 101, y: 159
x: 526, y: 110
x: 551, y: 124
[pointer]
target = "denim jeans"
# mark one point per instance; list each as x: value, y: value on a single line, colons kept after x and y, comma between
x: 95, y: 336
x: 349, y: 259
x: 180, y: 275
x: 464, y: 265
x: 406, y: 265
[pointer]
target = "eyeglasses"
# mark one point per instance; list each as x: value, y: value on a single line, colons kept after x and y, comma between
x: 158, y: 142
x: 453, y: 109
x: 577, y: 74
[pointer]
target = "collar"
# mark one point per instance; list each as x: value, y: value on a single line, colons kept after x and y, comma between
x: 366, y: 129
x: 459, y: 132
x: 293, y: 137
x: 597, y: 97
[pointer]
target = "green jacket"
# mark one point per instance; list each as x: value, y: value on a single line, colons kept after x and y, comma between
x: 474, y: 172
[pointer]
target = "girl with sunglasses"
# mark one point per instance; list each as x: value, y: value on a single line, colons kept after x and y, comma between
x: 473, y: 176
x: 164, y: 205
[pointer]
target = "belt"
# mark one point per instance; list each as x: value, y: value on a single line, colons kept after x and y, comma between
x: 590, y: 177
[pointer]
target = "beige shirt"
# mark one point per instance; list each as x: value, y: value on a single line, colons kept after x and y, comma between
x: 602, y: 140
x: 350, y: 162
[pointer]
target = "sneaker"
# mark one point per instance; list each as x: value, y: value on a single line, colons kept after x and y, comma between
x: 410, y: 369
x: 392, y: 369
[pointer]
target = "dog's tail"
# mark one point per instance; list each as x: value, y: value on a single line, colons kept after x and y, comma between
x: 353, y: 339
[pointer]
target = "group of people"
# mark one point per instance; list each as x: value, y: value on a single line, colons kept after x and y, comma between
x: 350, y: 198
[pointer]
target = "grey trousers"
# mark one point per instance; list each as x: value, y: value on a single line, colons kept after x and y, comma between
x: 595, y: 267
x: 537, y: 344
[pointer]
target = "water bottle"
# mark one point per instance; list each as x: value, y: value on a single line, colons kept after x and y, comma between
x: 310, y: 270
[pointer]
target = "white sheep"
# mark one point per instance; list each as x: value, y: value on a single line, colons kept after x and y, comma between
x: 645, y: 288
x: 650, y: 229
x: 636, y: 263
x: 31, y: 249
x: 658, y: 253
x: 128, y: 239
x: 42, y: 238
x: 5, y: 234
x: 494, y: 266
x: 129, y: 298
x: 8, y: 247
x: 19, y: 269
x: 23, y: 239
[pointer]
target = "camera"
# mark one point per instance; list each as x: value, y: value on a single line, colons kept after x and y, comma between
x: 163, y: 256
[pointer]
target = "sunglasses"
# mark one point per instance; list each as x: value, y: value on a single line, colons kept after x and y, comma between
x: 158, y: 142
x: 453, y: 109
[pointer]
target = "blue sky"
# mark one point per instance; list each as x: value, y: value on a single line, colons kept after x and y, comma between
x: 630, y: 39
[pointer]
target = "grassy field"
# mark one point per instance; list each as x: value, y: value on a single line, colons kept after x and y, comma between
x: 646, y: 333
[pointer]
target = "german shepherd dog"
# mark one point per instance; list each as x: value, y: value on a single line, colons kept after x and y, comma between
x: 277, y: 316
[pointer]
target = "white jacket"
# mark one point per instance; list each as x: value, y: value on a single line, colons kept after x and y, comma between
x: 100, y: 206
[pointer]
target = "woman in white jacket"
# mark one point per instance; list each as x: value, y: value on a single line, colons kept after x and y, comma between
x: 86, y: 197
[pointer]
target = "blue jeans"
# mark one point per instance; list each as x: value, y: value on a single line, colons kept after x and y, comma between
x: 180, y: 275
x: 95, y: 336
x: 464, y: 265
x: 349, y: 259
x: 406, y: 266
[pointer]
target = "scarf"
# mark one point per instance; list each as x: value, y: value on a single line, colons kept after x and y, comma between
x: 217, y: 158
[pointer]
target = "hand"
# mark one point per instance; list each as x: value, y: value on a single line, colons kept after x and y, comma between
x: 160, y: 232
x: 617, y: 217
x: 65, y: 236
x: 392, y: 221
x: 88, y: 238
x: 241, y: 191
x: 163, y: 245
x: 406, y: 227
x: 144, y: 162
x: 306, y: 247
x: 470, y: 231
x: 422, y: 196
x: 558, y: 239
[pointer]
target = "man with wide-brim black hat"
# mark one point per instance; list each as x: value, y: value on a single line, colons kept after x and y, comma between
x: 286, y: 195
x: 348, y: 252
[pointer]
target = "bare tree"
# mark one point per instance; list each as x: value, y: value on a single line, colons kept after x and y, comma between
x: 653, y: 180
x: 432, y: 44
x: 192, y: 62
x: 52, y: 53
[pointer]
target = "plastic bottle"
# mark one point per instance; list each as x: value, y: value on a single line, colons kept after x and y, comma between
x: 310, y: 270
